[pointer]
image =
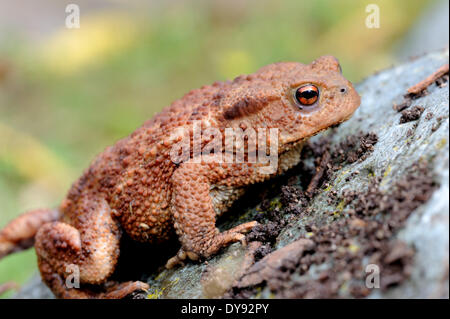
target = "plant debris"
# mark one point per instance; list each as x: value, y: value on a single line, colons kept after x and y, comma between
x: 411, y: 114
x: 429, y: 116
x: 332, y: 261
x: 440, y: 77
x: 294, y: 199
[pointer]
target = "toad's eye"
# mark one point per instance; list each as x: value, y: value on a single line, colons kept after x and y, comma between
x: 307, y: 95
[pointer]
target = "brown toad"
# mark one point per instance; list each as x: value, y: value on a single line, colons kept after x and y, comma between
x: 143, y: 187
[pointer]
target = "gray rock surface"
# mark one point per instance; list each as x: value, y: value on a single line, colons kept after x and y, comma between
x: 398, y: 147
x: 427, y: 228
x: 431, y: 28
x: 34, y: 289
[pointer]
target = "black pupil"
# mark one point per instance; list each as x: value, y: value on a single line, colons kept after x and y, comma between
x: 306, y: 94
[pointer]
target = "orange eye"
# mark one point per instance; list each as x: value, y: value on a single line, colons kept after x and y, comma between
x: 307, y: 95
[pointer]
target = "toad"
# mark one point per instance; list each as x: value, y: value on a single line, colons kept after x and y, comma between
x: 142, y: 188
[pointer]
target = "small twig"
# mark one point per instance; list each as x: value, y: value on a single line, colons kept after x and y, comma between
x: 422, y: 85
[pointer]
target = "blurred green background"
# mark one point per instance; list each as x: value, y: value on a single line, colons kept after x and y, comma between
x: 65, y: 94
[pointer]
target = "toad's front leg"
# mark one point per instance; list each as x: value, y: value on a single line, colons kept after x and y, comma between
x: 193, y: 212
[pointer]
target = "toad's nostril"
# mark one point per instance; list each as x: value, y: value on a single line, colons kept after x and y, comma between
x: 343, y: 89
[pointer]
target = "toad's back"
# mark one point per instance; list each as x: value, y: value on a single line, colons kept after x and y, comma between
x: 134, y: 174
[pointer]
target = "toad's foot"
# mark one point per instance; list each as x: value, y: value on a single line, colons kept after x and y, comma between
x: 110, y: 290
x: 122, y: 290
x: 219, y: 240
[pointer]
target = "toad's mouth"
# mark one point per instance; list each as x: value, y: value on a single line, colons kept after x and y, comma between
x: 286, y: 147
x: 290, y: 145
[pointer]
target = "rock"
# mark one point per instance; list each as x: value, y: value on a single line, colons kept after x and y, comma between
x: 268, y: 268
x: 377, y: 226
x: 431, y: 28
x: 34, y: 289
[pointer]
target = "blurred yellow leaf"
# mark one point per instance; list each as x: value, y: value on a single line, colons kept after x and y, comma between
x: 235, y: 62
x: 70, y: 50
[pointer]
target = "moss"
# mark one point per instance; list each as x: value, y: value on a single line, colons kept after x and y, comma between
x: 309, y: 235
x: 258, y: 293
x: 386, y: 172
x: 340, y: 206
x: 441, y: 143
x: 275, y: 203
x: 156, y: 294
x: 353, y: 248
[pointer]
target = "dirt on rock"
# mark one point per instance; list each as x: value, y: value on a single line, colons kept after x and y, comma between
x: 332, y: 261
x: 440, y: 78
x: 411, y: 114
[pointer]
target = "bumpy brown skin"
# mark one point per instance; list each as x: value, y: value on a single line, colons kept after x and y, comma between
x: 136, y: 188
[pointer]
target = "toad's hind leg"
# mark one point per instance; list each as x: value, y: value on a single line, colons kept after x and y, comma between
x: 20, y: 232
x: 86, y: 249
